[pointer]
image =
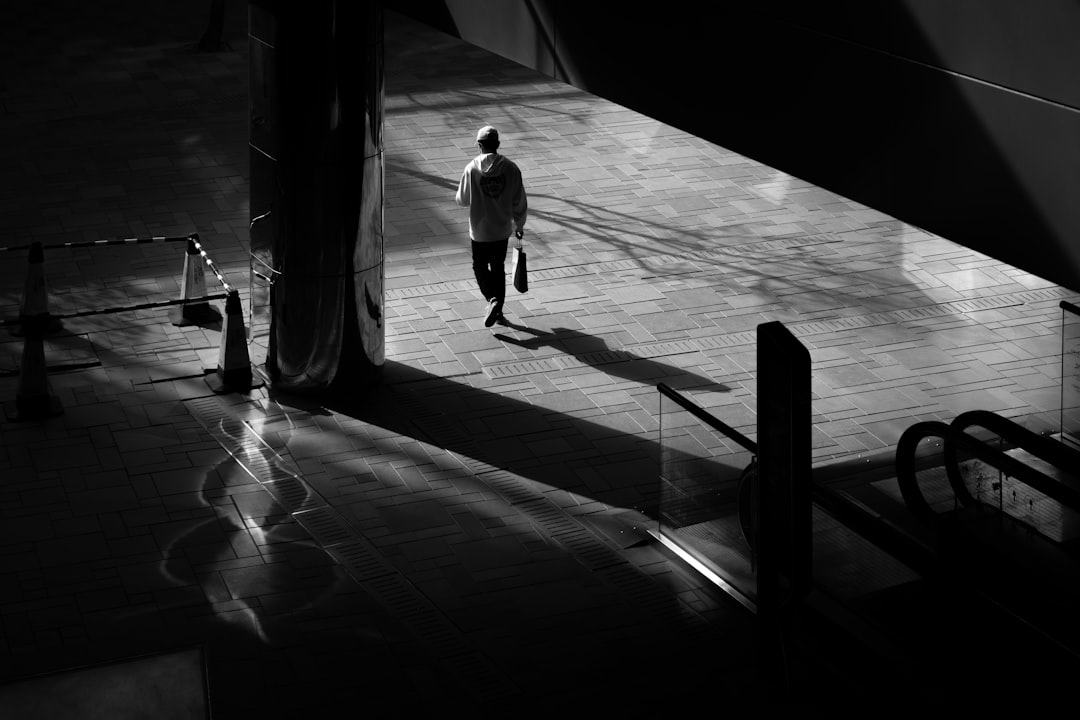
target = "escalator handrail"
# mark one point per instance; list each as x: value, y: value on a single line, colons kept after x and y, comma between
x: 707, y: 418
x: 909, y: 484
x: 906, y: 477
x: 1045, y: 448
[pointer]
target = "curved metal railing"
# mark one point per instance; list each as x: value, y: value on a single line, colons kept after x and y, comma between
x: 955, y: 439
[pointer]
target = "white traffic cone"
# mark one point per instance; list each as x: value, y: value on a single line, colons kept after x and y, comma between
x: 193, y: 285
x: 34, y: 314
x: 34, y: 399
x: 234, y: 372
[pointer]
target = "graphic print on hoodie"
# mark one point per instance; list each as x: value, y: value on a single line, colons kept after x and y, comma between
x: 493, y: 185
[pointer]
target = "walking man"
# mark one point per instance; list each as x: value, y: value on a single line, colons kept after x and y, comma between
x: 492, y: 189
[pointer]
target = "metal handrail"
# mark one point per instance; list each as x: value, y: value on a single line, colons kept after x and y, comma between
x: 708, y: 418
x: 909, y: 485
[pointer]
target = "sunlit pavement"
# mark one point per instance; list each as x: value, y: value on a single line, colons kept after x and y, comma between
x: 469, y: 534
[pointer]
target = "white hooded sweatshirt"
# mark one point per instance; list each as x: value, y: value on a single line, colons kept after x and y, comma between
x: 492, y: 189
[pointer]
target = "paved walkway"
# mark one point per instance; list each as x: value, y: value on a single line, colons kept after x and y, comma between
x: 470, y: 534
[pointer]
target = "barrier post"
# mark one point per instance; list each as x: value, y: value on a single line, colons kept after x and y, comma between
x: 34, y: 399
x: 193, y: 285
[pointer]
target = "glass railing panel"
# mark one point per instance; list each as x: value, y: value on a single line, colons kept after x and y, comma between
x: 1070, y: 374
x: 701, y: 475
x: 259, y: 309
x: 1018, y: 501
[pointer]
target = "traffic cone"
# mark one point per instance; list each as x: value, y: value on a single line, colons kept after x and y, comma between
x: 193, y: 285
x: 234, y: 372
x: 34, y: 314
x: 34, y: 399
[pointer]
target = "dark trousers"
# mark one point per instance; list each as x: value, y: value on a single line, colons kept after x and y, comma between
x: 489, y: 267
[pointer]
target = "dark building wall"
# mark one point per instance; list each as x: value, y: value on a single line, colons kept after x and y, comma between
x: 958, y: 116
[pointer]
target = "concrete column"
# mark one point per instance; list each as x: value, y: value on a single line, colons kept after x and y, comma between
x: 316, y: 150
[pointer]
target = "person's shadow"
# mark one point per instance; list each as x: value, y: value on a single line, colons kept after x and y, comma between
x: 593, y: 351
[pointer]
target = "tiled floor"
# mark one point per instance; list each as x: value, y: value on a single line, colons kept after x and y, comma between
x: 468, y: 534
